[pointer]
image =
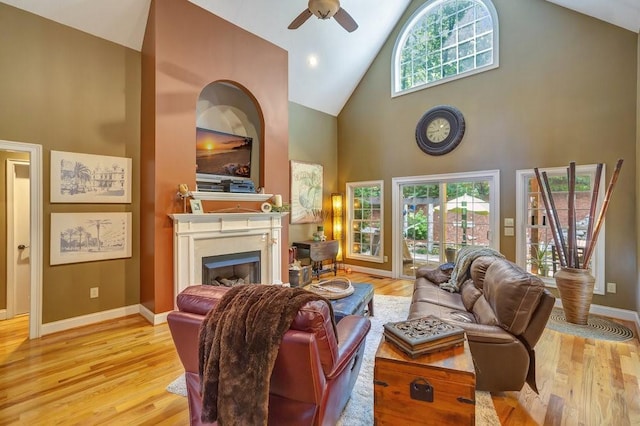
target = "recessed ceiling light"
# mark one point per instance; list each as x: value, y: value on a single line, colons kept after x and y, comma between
x: 312, y: 60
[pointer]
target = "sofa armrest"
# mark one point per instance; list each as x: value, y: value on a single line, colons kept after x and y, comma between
x: 352, y: 331
x: 486, y: 333
x: 185, y: 331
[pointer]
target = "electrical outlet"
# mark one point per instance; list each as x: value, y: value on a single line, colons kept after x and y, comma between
x: 93, y: 292
x: 611, y: 287
x: 386, y: 258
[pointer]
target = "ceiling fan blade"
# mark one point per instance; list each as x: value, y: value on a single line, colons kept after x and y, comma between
x: 300, y: 19
x: 345, y: 20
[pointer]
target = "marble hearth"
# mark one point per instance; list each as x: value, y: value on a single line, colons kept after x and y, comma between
x: 213, y: 234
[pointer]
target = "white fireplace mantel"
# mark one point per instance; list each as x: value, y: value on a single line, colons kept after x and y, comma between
x: 209, y: 234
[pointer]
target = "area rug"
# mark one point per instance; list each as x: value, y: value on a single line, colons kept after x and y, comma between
x: 359, y: 409
x: 597, y: 327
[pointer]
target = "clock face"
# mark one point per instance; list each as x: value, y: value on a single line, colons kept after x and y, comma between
x: 438, y: 130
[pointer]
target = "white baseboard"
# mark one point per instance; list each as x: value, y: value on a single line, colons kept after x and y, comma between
x: 153, y: 318
x: 370, y: 271
x: 66, y: 324
x: 3, y: 314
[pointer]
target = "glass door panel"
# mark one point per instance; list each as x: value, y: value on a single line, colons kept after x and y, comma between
x: 432, y: 235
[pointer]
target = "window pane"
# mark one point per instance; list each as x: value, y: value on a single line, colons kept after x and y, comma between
x: 466, y: 64
x: 450, y: 55
x: 449, y: 70
x: 365, y: 216
x: 435, y: 74
x: 465, y: 33
x: 466, y: 49
x: 433, y: 60
x: 542, y: 257
x: 484, y: 59
x: 483, y: 43
x: 429, y: 229
x: 446, y: 32
x: 484, y: 25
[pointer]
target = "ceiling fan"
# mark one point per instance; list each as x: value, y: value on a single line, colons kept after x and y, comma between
x: 325, y: 9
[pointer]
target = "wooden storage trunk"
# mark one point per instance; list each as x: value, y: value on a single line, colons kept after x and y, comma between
x: 403, y: 386
x: 300, y: 277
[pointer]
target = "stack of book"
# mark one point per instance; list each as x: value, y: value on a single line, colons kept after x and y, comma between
x: 423, y: 335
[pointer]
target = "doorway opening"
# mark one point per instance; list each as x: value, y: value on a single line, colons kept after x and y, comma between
x: 34, y: 243
x: 18, y: 248
x: 434, y: 216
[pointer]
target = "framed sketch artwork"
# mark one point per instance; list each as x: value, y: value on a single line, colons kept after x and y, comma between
x: 306, y: 191
x: 86, y: 237
x: 88, y: 178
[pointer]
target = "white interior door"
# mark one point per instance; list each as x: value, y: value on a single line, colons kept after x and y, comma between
x: 18, y: 238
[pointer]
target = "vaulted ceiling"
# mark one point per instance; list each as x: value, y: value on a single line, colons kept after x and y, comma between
x: 326, y: 62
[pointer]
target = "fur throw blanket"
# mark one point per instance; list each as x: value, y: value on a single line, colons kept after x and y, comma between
x: 239, y: 341
x: 466, y: 255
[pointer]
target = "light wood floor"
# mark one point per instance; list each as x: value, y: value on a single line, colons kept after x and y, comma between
x: 116, y: 373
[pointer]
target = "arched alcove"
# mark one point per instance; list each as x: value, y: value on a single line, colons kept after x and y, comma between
x: 226, y: 107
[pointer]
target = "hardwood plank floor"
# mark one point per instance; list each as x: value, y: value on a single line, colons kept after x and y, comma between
x: 116, y: 372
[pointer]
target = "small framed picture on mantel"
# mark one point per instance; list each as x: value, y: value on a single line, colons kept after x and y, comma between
x: 196, y: 206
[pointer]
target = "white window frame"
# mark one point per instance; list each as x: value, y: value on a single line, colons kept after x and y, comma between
x: 351, y: 186
x: 598, y: 259
x: 492, y: 176
x: 405, y: 33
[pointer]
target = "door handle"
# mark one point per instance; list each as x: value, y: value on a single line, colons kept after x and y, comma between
x: 22, y: 247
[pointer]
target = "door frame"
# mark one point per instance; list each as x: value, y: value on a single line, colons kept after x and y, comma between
x: 36, y: 231
x: 396, y: 208
x: 11, y: 239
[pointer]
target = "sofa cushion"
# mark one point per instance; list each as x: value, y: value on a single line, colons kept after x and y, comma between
x: 479, y: 268
x: 425, y: 291
x: 470, y: 293
x: 483, y: 312
x: 513, y: 294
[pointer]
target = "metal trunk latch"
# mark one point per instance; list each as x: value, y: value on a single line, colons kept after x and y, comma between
x: 420, y: 389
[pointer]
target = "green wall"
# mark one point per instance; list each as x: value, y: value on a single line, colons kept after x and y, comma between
x: 565, y: 91
x: 70, y: 91
x: 313, y: 137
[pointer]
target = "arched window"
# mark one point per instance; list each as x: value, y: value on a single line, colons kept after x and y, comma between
x: 445, y: 40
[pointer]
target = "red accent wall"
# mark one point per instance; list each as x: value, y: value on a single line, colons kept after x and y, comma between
x: 185, y: 48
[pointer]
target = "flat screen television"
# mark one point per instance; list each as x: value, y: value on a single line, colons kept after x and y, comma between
x: 222, y: 156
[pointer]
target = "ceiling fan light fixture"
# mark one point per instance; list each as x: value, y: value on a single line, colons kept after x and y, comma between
x: 324, y: 9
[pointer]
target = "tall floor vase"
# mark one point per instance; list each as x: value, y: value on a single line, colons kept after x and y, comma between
x: 576, y: 291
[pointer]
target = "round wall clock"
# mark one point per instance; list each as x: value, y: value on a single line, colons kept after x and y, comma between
x: 440, y: 130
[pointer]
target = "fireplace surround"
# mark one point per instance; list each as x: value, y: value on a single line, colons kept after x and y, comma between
x: 231, y: 269
x: 198, y: 236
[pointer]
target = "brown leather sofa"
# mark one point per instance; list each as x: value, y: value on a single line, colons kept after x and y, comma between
x: 315, y: 370
x: 503, y: 310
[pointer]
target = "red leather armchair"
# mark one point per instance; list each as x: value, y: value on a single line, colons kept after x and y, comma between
x: 314, y: 372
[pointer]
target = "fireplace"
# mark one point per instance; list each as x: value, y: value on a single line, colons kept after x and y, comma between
x: 229, y: 270
x: 201, y: 236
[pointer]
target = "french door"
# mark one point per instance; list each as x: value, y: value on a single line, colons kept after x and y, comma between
x: 434, y: 216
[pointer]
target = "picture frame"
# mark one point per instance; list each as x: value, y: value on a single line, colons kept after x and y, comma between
x: 306, y: 191
x: 196, y: 206
x: 87, y: 237
x: 88, y: 178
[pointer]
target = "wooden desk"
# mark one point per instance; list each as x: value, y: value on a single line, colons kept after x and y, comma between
x: 317, y: 252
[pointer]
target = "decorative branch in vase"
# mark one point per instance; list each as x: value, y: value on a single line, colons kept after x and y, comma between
x: 574, y: 279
